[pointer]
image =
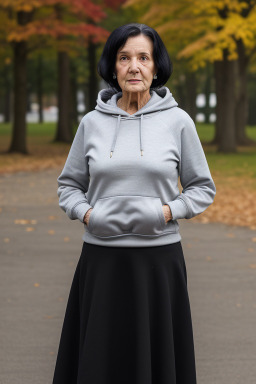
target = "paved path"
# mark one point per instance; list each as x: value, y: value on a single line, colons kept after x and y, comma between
x: 38, y: 260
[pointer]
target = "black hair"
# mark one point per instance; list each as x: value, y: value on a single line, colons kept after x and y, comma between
x: 117, y: 39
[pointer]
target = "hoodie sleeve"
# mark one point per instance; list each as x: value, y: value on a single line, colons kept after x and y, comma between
x: 74, y: 179
x: 198, y: 187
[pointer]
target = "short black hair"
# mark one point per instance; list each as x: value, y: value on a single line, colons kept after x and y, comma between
x: 117, y: 39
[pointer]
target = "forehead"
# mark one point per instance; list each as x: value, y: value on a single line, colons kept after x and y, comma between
x: 138, y: 43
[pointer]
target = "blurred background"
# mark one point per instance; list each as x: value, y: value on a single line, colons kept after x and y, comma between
x: 48, y: 81
x: 49, y: 51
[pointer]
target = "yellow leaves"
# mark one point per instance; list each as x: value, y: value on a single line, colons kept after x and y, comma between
x: 36, y: 284
x: 200, y: 30
x: 7, y: 60
x: 21, y: 5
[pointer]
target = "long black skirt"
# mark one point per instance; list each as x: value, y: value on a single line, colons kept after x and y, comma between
x: 128, y: 318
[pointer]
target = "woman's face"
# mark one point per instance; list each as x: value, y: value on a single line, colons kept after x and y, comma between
x: 135, y: 61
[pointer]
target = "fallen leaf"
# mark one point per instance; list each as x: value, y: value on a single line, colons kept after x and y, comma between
x: 253, y: 266
x: 36, y: 284
x: 230, y: 235
x: 66, y: 239
x: 6, y: 240
x: 51, y: 217
x: 23, y: 221
x: 51, y: 232
x: 30, y: 229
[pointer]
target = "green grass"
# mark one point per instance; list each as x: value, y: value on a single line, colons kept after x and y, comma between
x: 33, y: 129
x: 242, y: 163
x: 206, y: 131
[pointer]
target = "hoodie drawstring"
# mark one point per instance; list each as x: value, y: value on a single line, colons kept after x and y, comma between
x: 115, y: 136
x: 141, y: 149
x: 116, y: 132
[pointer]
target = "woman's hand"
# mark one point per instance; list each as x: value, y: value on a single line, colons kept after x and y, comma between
x: 87, y: 215
x: 167, y: 212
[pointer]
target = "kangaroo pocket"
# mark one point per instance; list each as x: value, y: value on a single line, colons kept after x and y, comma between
x: 119, y: 215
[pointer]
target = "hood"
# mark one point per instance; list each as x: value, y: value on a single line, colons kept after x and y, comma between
x: 161, y: 99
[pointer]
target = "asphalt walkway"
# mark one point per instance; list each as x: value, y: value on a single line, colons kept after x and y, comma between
x: 40, y: 247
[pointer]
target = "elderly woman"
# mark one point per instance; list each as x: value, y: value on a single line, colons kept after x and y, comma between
x: 128, y: 318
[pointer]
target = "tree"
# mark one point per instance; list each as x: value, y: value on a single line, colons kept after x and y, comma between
x: 28, y: 26
x: 219, y: 32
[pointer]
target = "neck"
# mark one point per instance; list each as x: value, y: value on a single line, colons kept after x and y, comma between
x: 133, y: 101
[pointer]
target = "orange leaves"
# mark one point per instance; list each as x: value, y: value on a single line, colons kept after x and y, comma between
x: 53, y: 18
x: 24, y: 222
x: 234, y: 204
x: 56, y: 28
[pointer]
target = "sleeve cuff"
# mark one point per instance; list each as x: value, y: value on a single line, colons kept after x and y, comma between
x: 80, y: 210
x: 178, y: 208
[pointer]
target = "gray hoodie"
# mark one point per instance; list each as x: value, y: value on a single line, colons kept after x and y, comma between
x: 126, y: 167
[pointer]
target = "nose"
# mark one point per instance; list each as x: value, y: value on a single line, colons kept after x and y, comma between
x: 133, y: 66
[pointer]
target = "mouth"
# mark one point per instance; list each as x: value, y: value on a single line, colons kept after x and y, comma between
x: 134, y: 81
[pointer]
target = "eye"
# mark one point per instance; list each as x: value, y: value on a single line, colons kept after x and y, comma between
x: 123, y: 57
x: 145, y: 58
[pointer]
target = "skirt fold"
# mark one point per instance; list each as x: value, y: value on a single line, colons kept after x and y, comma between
x: 128, y: 318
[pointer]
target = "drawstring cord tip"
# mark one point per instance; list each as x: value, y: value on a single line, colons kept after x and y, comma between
x: 141, y: 153
x: 111, y: 153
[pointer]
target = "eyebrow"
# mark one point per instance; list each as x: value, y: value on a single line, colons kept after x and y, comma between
x: 144, y: 53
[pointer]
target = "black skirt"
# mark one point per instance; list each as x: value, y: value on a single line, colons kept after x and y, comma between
x: 128, y: 318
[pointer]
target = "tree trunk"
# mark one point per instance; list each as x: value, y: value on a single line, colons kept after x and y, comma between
x: 19, y: 139
x: 226, y: 104
x: 93, y: 79
x: 191, y: 93
x: 7, y: 95
x: 219, y: 109
x: 181, y: 99
x: 252, y: 99
x: 40, y: 88
x: 73, y: 95
x: 18, y: 142
x: 64, y: 129
x: 207, y: 92
x: 241, y: 111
